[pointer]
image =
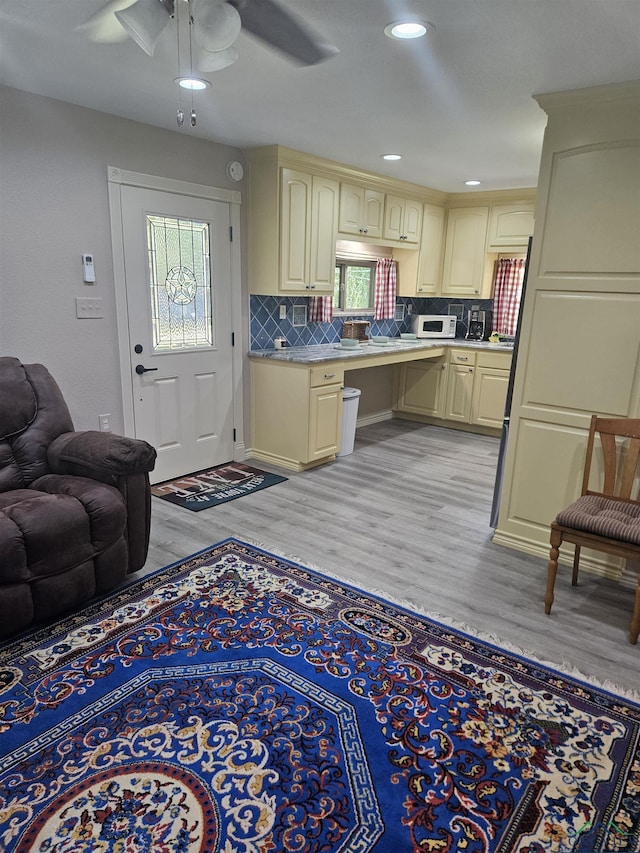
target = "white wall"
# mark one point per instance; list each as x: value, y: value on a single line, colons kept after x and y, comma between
x: 54, y: 207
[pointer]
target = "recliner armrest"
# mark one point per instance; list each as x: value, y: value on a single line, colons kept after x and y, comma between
x: 103, y: 456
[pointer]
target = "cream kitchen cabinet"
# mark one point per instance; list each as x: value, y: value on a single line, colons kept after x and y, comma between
x: 477, y: 386
x: 292, y: 228
x: 361, y: 211
x: 490, y: 385
x: 465, y: 252
x: 460, y: 385
x: 581, y: 318
x: 421, y: 387
x: 402, y: 219
x: 431, y: 245
x: 308, y: 220
x: 466, y: 389
x: 296, y: 413
x: 510, y: 226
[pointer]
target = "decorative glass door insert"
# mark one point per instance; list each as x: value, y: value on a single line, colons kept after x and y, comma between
x: 180, y: 283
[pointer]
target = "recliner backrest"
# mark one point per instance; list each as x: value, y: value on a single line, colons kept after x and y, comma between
x: 32, y: 413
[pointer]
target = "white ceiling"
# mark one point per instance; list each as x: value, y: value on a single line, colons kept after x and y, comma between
x: 456, y: 105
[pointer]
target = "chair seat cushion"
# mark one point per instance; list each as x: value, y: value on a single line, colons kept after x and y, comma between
x: 603, y: 516
x: 59, y: 523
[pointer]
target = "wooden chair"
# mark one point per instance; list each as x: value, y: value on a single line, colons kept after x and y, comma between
x: 606, y: 520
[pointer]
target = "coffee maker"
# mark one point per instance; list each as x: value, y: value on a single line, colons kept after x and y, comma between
x: 479, y: 325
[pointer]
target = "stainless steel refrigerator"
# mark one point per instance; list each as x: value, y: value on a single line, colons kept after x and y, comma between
x: 504, y: 435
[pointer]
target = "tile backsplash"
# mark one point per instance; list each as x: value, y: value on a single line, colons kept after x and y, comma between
x: 265, y: 323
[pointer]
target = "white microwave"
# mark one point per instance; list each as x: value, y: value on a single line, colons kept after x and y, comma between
x: 434, y: 325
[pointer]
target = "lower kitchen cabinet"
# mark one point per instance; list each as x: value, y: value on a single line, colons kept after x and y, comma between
x: 325, y: 422
x: 422, y: 387
x: 296, y: 413
x: 460, y: 385
x: 489, y: 396
x: 467, y: 389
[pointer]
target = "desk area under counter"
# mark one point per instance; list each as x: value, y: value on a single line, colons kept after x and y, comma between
x: 296, y: 393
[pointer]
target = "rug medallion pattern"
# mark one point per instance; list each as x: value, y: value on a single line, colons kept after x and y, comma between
x: 237, y: 702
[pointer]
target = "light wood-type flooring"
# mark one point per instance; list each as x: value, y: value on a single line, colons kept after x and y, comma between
x: 407, y: 515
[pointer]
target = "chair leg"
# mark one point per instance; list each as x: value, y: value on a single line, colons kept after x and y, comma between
x: 576, y: 563
x: 635, y: 619
x: 552, y: 568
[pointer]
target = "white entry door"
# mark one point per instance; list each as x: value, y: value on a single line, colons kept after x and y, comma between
x: 177, y: 263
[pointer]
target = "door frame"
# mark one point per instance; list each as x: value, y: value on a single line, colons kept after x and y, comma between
x: 117, y: 178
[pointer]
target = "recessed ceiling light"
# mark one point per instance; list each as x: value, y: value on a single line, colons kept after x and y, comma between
x: 408, y: 29
x: 391, y: 156
x: 193, y: 83
x: 473, y: 183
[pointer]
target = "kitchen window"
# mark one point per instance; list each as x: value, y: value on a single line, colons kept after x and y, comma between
x: 354, y: 287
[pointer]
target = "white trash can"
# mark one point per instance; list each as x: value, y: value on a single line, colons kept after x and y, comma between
x: 350, y: 400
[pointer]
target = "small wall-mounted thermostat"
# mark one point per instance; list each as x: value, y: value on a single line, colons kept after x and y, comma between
x: 88, y: 270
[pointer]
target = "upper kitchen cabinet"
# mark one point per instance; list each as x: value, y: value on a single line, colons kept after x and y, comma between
x: 292, y: 224
x: 465, y: 252
x: 420, y: 272
x: 431, y: 245
x: 299, y: 205
x: 510, y: 226
x: 361, y: 211
x: 402, y: 219
x: 308, y: 217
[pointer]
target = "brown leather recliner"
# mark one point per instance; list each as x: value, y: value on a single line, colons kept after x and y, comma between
x: 75, y: 507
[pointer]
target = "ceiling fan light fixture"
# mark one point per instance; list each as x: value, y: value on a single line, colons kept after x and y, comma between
x: 216, y: 60
x: 194, y: 84
x: 144, y: 21
x: 217, y: 24
x: 408, y: 29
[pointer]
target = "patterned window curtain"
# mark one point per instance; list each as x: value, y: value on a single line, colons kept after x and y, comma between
x: 385, y: 297
x: 320, y: 309
x: 507, y: 290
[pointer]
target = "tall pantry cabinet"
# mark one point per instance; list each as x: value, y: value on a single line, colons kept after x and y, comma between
x: 580, y: 336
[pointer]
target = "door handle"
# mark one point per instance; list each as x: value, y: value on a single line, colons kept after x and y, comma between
x: 140, y: 369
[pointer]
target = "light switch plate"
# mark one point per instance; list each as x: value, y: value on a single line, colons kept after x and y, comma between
x: 88, y: 308
x: 283, y: 312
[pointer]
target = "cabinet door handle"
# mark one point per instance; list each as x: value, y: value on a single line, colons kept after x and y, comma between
x: 463, y: 358
x: 329, y: 375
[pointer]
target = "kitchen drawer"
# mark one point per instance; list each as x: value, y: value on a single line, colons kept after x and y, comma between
x: 462, y: 356
x: 319, y: 376
x: 488, y: 358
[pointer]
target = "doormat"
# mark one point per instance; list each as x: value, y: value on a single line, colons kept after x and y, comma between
x: 213, y: 486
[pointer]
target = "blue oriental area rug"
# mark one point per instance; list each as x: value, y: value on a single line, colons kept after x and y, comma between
x: 237, y: 702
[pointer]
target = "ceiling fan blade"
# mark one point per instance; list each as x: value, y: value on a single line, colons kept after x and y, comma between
x: 104, y: 26
x: 269, y: 22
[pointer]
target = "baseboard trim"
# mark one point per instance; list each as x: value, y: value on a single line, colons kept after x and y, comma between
x: 374, y: 418
x: 284, y: 462
x: 588, y: 563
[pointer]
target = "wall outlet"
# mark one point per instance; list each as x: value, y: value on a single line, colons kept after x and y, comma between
x: 283, y: 312
x: 105, y: 422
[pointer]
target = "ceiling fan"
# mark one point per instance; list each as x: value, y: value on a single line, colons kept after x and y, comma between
x: 216, y: 26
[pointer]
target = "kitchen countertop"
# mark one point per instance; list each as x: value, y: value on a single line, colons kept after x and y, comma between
x: 318, y: 353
